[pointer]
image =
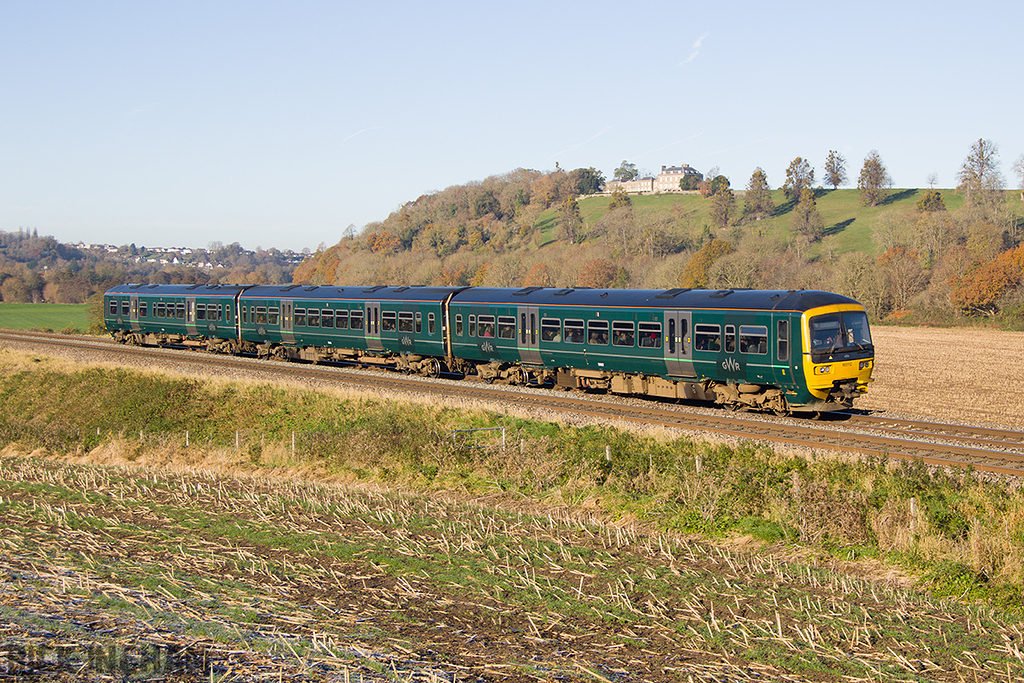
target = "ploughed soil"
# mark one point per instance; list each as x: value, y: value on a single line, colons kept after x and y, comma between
x: 972, y: 376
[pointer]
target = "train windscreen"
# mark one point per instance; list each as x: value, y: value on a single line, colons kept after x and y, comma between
x: 834, y: 332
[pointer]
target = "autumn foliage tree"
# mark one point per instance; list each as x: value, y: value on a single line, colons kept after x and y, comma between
x: 597, y: 273
x: 696, y: 272
x: 757, y: 201
x: 980, y: 289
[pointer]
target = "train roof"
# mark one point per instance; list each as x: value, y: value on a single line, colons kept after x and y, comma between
x: 361, y: 293
x: 178, y: 290
x: 739, y: 299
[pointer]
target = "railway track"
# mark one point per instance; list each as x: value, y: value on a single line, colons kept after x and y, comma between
x: 985, y: 449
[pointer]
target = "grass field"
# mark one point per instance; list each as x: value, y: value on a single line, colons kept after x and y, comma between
x: 845, y: 217
x: 56, y: 317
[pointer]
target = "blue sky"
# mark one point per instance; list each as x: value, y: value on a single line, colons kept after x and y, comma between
x: 280, y: 124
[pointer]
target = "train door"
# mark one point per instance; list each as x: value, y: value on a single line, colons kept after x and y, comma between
x: 786, y: 355
x: 529, y: 334
x: 133, y: 314
x: 678, y: 360
x: 287, y: 321
x: 190, y: 315
x: 373, y: 340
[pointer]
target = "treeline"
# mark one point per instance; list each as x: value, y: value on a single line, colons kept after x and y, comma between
x: 913, y: 255
x: 41, y: 269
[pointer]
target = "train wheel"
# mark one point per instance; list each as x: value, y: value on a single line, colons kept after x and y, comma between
x: 523, y: 377
x: 433, y: 368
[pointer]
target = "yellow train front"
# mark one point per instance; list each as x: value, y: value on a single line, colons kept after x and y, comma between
x: 837, y: 356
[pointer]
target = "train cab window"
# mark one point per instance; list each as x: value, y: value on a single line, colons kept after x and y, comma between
x: 458, y: 324
x: 405, y: 321
x: 506, y: 327
x: 623, y: 333
x: 754, y: 339
x: 597, y: 332
x: 730, y: 339
x: 782, y: 339
x: 550, y: 330
x: 180, y: 310
x: 113, y: 307
x: 313, y: 318
x: 274, y: 316
x: 387, y: 321
x: 472, y: 326
x: 143, y: 309
x: 357, y: 320
x: 300, y: 317
x: 419, y: 323
x: 650, y: 335
x: 201, y: 311
x: 125, y: 308
x: 574, y: 332
x: 486, y: 326
x: 707, y: 337
x: 327, y: 318
x: 430, y: 324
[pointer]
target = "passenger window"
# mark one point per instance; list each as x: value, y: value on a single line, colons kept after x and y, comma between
x: 707, y: 337
x: 200, y: 311
x: 597, y: 332
x: 486, y: 326
x: 313, y: 318
x: 357, y: 320
x: 143, y: 309
x: 341, y: 320
x: 506, y: 327
x: 550, y: 330
x: 730, y: 339
x: 405, y: 321
x: 622, y: 333
x: 125, y: 308
x: 327, y: 318
x: 754, y: 339
x: 245, y: 315
x: 300, y: 317
x: 574, y: 333
x: 181, y: 311
x: 387, y: 321
x: 458, y: 325
x: 430, y: 324
x: 650, y: 335
x: 113, y: 307
x: 274, y: 316
x: 472, y: 326
x: 419, y: 323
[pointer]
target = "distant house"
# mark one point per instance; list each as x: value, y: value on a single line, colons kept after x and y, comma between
x: 669, y: 178
x: 667, y: 181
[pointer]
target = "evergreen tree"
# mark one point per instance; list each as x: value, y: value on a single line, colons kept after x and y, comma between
x: 757, y: 203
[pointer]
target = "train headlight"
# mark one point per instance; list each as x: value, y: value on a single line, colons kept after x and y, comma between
x: 823, y: 369
x: 865, y: 364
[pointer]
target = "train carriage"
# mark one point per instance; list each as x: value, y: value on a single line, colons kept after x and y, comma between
x: 192, y: 315
x: 394, y: 326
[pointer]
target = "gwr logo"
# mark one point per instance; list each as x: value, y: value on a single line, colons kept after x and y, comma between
x: 407, y: 341
x: 730, y: 365
x: 487, y: 347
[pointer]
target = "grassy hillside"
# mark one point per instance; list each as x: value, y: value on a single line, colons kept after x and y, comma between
x: 55, y: 317
x: 846, y: 218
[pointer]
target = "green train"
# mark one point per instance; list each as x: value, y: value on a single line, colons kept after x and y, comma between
x: 777, y: 350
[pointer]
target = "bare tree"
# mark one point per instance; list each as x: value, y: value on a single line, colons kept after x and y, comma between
x: 835, y: 169
x: 979, y: 175
x: 874, y: 180
x: 799, y: 175
x: 1018, y: 170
